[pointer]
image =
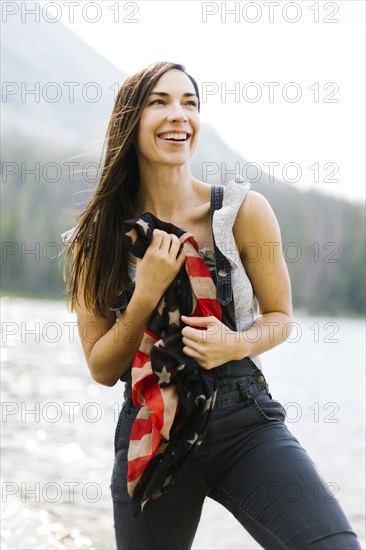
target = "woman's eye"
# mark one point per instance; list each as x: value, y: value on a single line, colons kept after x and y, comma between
x: 191, y: 102
x: 157, y: 102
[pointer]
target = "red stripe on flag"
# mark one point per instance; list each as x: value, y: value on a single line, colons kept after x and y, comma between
x: 154, y: 400
x: 151, y: 393
x: 140, y: 427
x: 136, y: 467
x: 207, y: 306
x: 154, y: 336
x: 140, y: 359
x: 196, y: 267
x: 140, y: 385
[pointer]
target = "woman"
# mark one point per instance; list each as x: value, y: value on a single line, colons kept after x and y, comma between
x: 247, y: 459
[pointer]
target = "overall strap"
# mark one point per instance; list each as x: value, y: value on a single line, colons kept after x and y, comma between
x: 223, y: 269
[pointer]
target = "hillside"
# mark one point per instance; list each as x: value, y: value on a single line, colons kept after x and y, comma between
x: 323, y: 236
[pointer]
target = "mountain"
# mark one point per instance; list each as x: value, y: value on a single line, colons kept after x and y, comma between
x: 72, y: 100
x: 64, y: 121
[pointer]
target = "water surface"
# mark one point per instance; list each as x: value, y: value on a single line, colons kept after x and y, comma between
x: 58, y: 427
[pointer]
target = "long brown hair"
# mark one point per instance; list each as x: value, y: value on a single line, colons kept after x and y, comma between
x: 97, y: 252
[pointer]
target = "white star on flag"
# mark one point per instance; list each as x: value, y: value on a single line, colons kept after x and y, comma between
x: 192, y: 441
x: 207, y: 404
x: 174, y: 317
x: 167, y: 480
x: 164, y: 376
x: 144, y: 225
x: 201, y: 396
x: 159, y: 344
x: 132, y: 234
x: 161, y: 306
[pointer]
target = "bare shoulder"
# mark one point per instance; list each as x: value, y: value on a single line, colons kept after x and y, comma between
x: 258, y: 238
x: 255, y: 221
x: 254, y: 206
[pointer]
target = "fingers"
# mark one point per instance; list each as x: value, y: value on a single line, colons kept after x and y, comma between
x: 176, y: 248
x: 200, y: 321
x: 180, y: 258
x: 202, y: 340
x: 159, y: 239
x: 192, y: 348
x: 192, y: 353
x: 168, y: 243
x: 194, y: 336
x: 164, y: 245
x: 191, y: 344
x: 195, y: 353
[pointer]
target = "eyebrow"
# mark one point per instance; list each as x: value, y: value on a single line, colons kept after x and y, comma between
x: 165, y: 94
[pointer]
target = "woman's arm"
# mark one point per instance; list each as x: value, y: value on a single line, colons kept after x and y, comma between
x: 258, y: 239
x: 110, y: 346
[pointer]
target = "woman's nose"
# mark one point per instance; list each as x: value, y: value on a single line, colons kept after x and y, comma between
x: 177, y: 114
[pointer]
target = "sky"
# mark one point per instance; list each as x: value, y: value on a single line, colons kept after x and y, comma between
x: 295, y: 70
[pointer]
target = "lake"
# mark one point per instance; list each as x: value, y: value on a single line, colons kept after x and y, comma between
x: 58, y: 427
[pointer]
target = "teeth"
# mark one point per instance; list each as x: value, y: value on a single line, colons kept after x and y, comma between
x: 173, y: 136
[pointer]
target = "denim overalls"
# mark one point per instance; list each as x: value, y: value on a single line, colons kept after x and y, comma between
x: 248, y: 461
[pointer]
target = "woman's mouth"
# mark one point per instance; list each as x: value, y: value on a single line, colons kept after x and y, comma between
x: 174, y: 136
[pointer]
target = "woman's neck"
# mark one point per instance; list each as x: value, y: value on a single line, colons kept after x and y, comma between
x: 168, y: 191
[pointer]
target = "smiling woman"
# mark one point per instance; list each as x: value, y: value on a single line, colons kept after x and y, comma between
x: 160, y: 267
x: 169, y: 124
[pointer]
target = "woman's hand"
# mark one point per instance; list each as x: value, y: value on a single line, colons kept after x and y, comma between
x: 160, y: 265
x: 214, y: 345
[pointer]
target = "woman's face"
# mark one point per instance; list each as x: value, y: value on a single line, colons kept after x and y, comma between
x: 169, y: 126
